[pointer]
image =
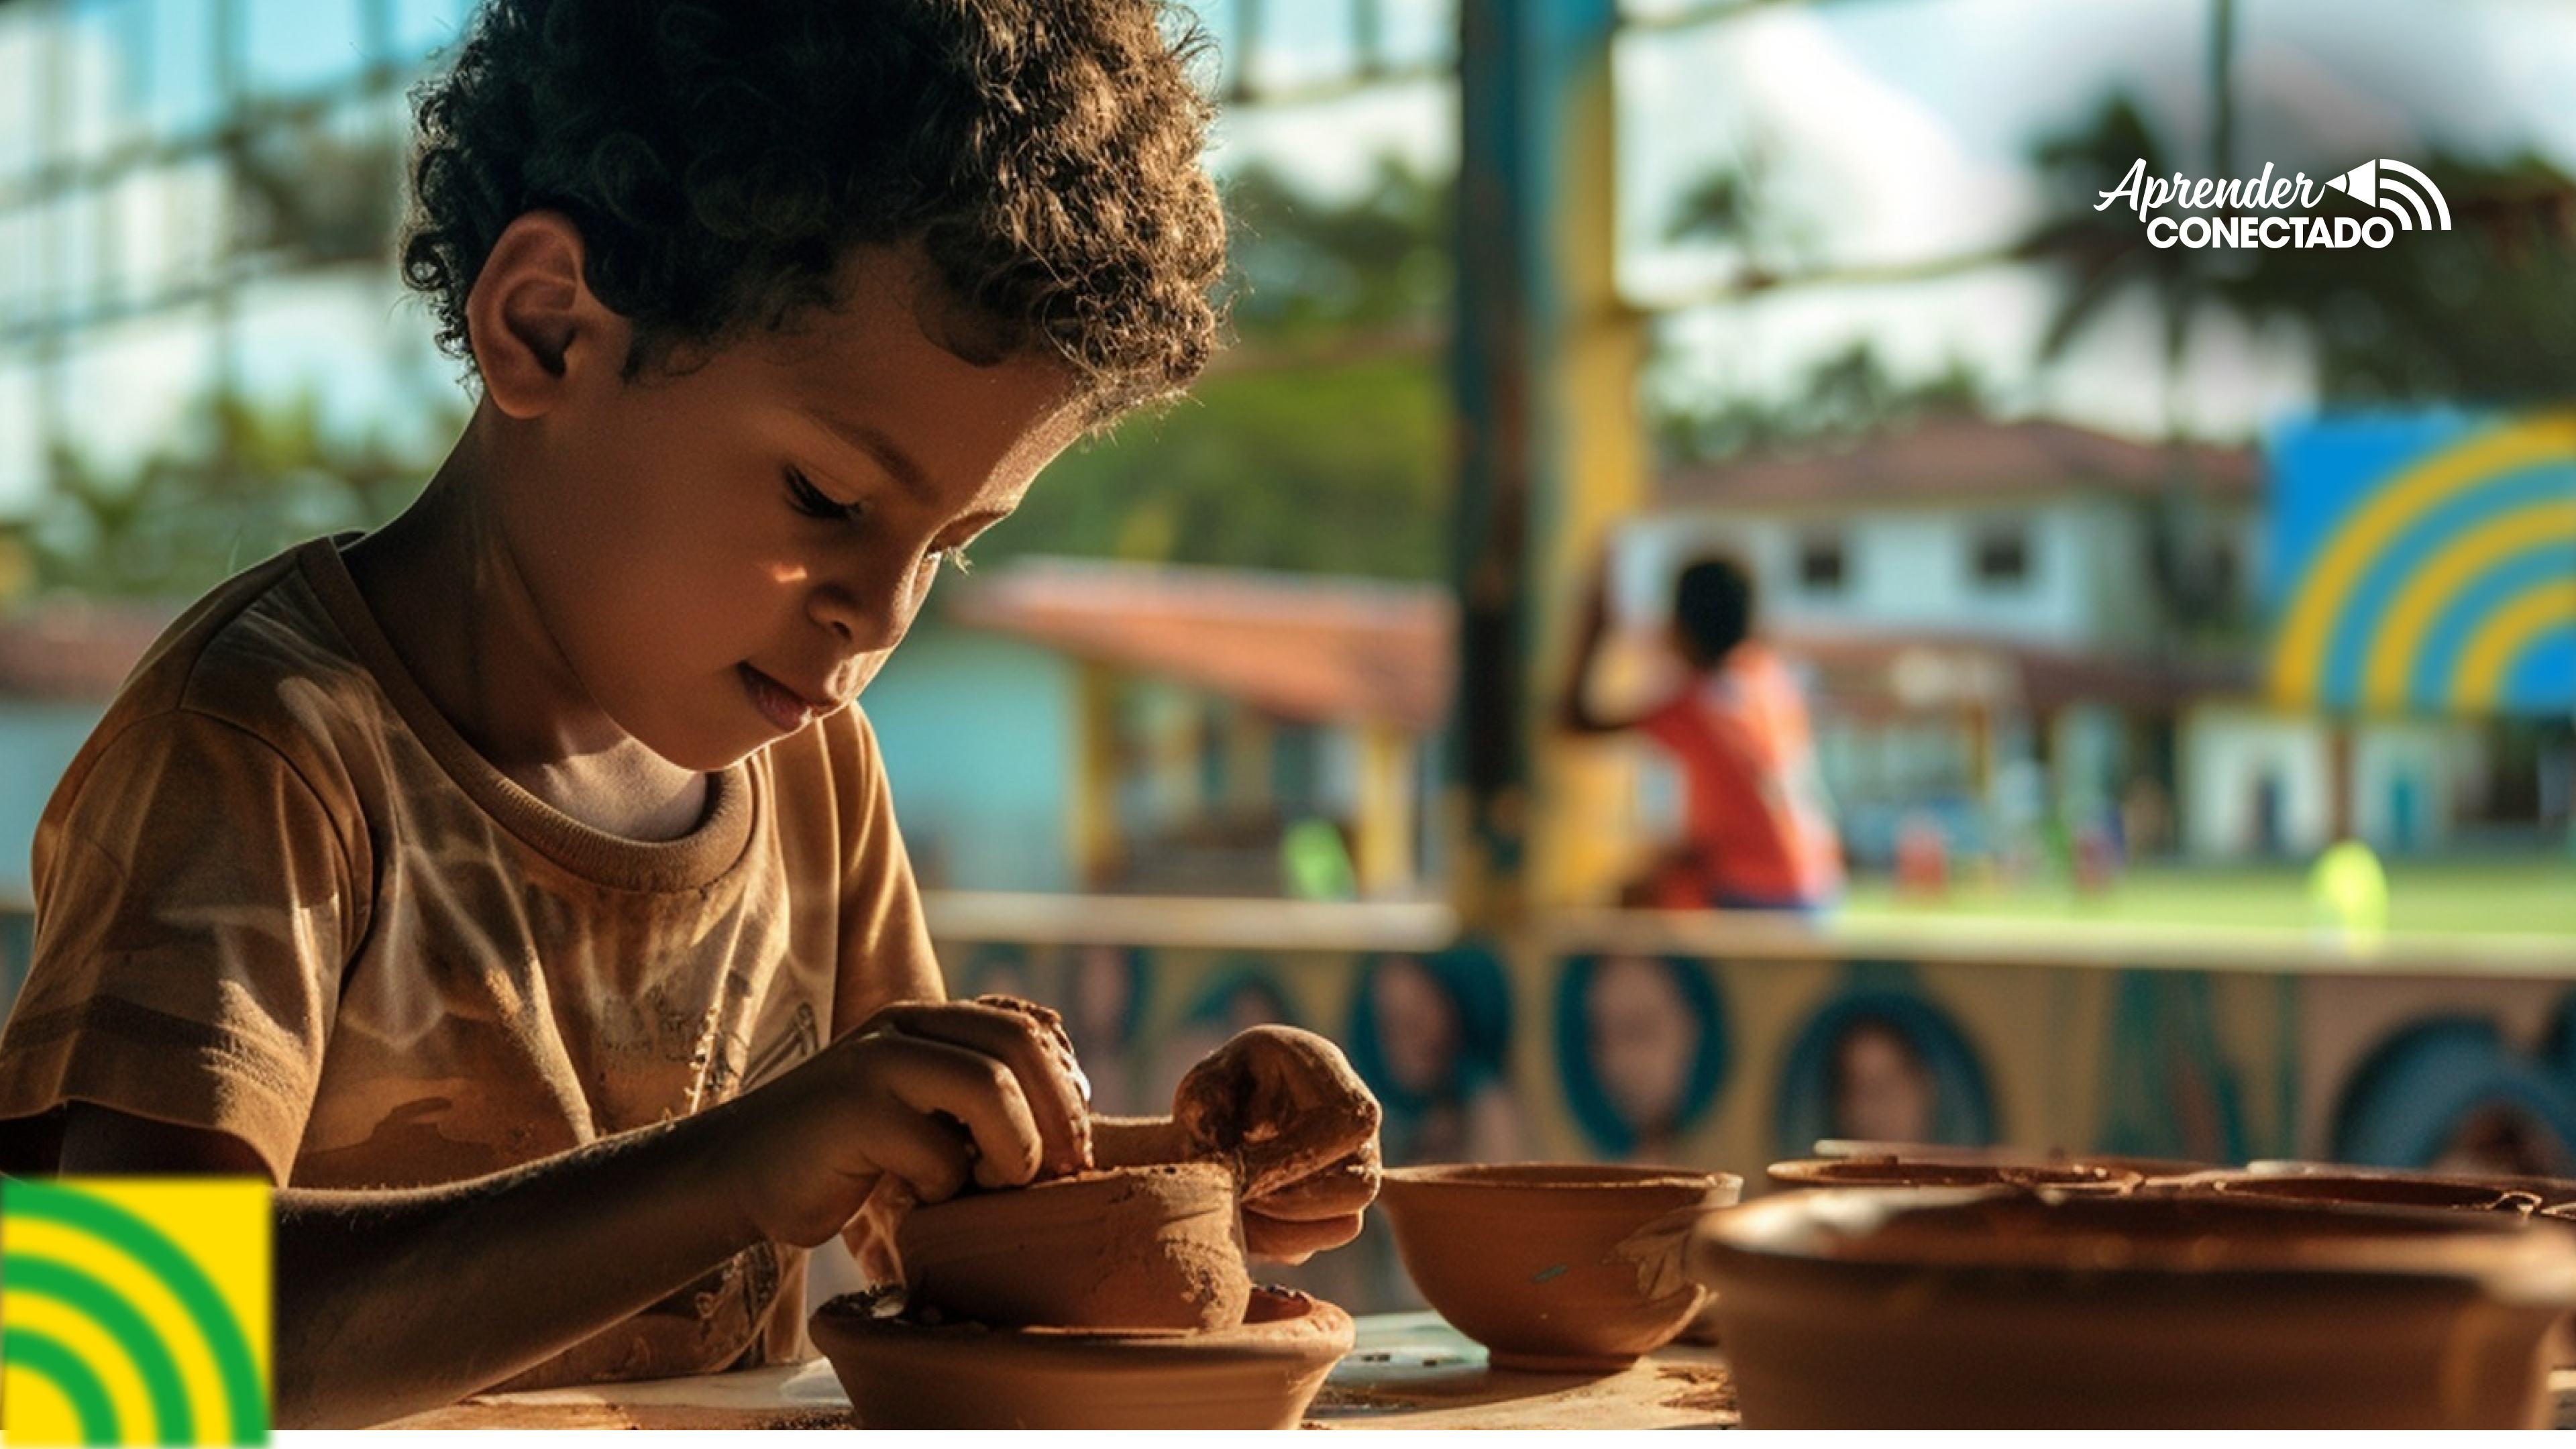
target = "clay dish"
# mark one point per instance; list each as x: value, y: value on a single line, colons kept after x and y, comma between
x: 1985, y: 1308
x: 1555, y: 1267
x: 1127, y: 1247
x: 1259, y: 1374
x: 2550, y: 1190
x: 2148, y: 1168
x: 1944, y: 1172
x: 2358, y: 1187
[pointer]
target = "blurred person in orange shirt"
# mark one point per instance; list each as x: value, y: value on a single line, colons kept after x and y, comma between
x: 1756, y: 831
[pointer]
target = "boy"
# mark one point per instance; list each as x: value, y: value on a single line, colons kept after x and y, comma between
x: 517, y: 885
x: 1755, y: 832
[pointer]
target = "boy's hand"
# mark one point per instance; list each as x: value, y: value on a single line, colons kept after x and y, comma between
x: 931, y: 1094
x: 1286, y: 1108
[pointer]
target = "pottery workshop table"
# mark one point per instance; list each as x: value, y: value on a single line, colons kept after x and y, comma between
x: 1408, y: 1371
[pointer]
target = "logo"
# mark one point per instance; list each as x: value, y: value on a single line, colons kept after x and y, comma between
x: 2421, y: 563
x: 2408, y: 197
x: 134, y: 1311
x: 2395, y: 187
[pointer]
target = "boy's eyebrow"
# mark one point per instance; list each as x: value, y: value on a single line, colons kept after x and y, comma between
x: 907, y: 473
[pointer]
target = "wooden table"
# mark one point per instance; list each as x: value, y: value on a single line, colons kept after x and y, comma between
x: 1408, y: 1371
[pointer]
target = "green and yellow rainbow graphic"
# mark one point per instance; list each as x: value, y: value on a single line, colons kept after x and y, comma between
x: 134, y: 1311
x: 2426, y: 564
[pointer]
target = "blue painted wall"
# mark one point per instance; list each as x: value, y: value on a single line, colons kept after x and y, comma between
x: 978, y: 733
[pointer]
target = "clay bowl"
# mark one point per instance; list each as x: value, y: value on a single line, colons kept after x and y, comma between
x: 2549, y: 1190
x: 1557, y: 1267
x: 1986, y: 1308
x: 2083, y: 1177
x: 2147, y: 1168
x: 1128, y: 1247
x: 2364, y: 1188
x: 1259, y: 1374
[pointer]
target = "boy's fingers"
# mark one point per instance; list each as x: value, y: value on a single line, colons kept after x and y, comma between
x: 928, y: 1154
x: 1338, y: 1190
x: 1285, y: 1102
x: 1029, y: 1041
x: 1287, y: 1242
x: 972, y: 1099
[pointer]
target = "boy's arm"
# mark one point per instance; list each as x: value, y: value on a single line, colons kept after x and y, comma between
x: 1574, y: 709
x: 394, y: 1301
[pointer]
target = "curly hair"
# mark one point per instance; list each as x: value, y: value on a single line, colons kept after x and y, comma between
x: 722, y: 158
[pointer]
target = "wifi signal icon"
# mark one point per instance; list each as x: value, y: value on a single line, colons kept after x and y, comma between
x: 2398, y: 189
x: 134, y: 1311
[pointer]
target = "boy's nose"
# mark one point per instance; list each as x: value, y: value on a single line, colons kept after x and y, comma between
x: 866, y: 621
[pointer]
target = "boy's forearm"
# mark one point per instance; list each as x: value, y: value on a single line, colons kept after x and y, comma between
x: 397, y: 1301
x: 393, y: 1302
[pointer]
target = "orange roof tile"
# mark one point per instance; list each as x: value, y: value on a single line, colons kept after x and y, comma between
x: 1296, y: 646
x: 1946, y: 458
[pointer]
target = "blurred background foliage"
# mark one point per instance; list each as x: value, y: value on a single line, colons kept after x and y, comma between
x: 1319, y: 441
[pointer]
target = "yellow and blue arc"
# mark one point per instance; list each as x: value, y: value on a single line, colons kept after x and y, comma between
x: 134, y: 1311
x: 2426, y: 564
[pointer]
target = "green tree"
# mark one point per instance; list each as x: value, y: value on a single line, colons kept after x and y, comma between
x: 1318, y: 441
x: 241, y: 481
x: 1843, y: 398
x: 2484, y: 312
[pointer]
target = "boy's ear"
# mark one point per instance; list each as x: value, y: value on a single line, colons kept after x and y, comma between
x: 532, y: 320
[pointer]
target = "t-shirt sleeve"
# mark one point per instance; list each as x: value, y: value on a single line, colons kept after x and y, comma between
x: 194, y: 899
x: 886, y: 954
x: 1670, y: 724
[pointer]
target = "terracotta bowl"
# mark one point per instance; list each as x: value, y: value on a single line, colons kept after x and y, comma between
x: 2360, y: 1187
x: 1982, y: 1308
x: 1555, y: 1266
x: 1259, y: 1374
x: 1917, y: 1172
x: 1129, y: 1247
x: 2550, y: 1190
x: 2148, y: 1168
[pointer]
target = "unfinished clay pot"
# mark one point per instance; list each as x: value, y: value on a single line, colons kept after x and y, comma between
x: 1919, y: 1172
x: 1555, y: 1266
x: 1986, y: 1308
x: 1259, y: 1374
x: 1125, y: 1247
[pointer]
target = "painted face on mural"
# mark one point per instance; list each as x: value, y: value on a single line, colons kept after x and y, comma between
x: 1417, y: 1025
x: 1644, y: 1038
x: 1882, y: 1090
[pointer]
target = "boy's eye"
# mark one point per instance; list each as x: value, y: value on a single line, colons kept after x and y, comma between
x: 813, y: 502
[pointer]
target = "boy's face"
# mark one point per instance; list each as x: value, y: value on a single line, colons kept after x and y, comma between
x: 723, y: 554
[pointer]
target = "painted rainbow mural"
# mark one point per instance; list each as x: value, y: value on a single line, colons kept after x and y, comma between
x: 2425, y: 563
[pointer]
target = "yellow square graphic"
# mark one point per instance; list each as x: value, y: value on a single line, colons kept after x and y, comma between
x: 134, y: 1311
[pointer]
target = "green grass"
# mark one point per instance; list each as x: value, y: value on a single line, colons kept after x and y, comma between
x: 2521, y: 895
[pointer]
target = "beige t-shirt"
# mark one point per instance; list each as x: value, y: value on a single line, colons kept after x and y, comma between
x: 279, y: 897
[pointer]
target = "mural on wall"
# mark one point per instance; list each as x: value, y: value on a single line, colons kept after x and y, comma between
x: 1243, y: 989
x: 997, y: 968
x: 1484, y: 1052
x: 1431, y: 1034
x: 1641, y: 1051
x: 1881, y: 1062
x: 2168, y: 1089
x: 1104, y: 992
x: 2449, y: 1092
